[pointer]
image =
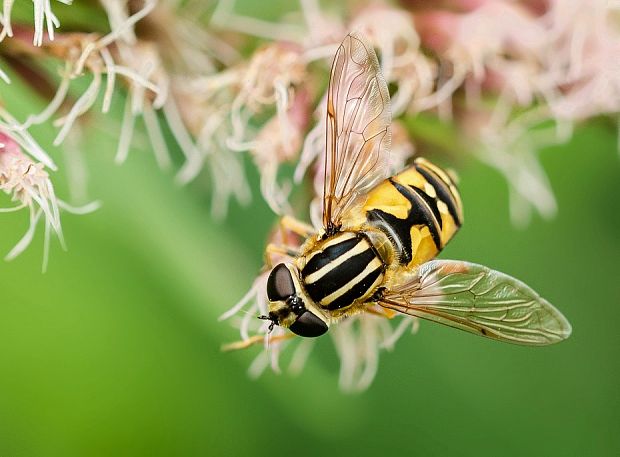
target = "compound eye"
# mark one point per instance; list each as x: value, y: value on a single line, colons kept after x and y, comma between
x: 308, y: 325
x: 280, y: 284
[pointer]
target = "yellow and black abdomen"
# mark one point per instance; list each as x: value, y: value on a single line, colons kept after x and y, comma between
x: 419, y: 210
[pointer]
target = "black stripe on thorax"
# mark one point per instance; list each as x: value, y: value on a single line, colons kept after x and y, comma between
x: 340, y: 275
x: 331, y: 253
x: 359, y: 290
x: 443, y: 191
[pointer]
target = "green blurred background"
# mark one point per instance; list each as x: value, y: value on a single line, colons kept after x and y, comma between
x: 115, y: 350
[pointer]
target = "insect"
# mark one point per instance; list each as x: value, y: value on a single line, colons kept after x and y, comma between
x: 379, y: 234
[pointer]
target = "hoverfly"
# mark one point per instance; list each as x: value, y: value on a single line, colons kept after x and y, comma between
x: 379, y: 233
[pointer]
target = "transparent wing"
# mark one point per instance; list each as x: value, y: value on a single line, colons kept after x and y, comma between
x: 479, y: 300
x: 358, y: 128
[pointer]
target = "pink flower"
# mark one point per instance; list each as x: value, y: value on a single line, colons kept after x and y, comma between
x: 402, y: 60
x: 280, y: 141
x: 29, y: 186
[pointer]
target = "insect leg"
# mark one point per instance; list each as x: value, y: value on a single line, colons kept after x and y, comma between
x: 278, y: 250
x: 256, y: 339
x: 289, y: 229
x: 296, y: 226
x: 382, y: 312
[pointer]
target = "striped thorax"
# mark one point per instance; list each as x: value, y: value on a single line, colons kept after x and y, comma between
x: 334, y: 274
x: 342, y: 270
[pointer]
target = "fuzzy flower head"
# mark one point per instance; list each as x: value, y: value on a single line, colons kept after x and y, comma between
x: 268, y: 80
x: 146, y: 94
x: 199, y: 116
x: 586, y: 64
x: 24, y: 178
x: 21, y: 178
x: 44, y: 18
x: 402, y: 61
x: 218, y: 111
x: 29, y: 186
x: 101, y: 58
x: 280, y: 140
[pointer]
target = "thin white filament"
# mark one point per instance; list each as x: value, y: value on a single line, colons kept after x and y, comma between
x: 117, y: 14
x: 401, y: 328
x: 182, y: 137
x: 240, y: 304
x: 126, y: 133
x: 370, y: 352
x: 48, y: 190
x: 224, y: 17
x: 258, y: 365
x: 46, y: 246
x: 121, y: 70
x: 23, y: 138
x: 53, y: 106
x: 274, y: 356
x: 245, y: 326
x: 38, y: 22
x: 300, y: 356
x: 160, y: 149
x: 346, y: 348
x: 311, y: 149
x: 149, y: 5
x: 77, y: 173
x: 110, y: 79
x: 13, y: 209
x: 161, y: 95
x: 80, y: 210
x: 81, y: 106
x: 4, y: 76
x: 25, y: 241
x: 42, y: 202
x: 51, y: 20
x: 319, y: 52
x: 442, y: 94
x: 7, y: 30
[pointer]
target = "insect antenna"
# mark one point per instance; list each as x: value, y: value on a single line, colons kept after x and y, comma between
x: 269, y: 318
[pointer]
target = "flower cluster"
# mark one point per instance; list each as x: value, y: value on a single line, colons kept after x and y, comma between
x: 509, y: 77
x: 23, y: 177
x: 534, y: 60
